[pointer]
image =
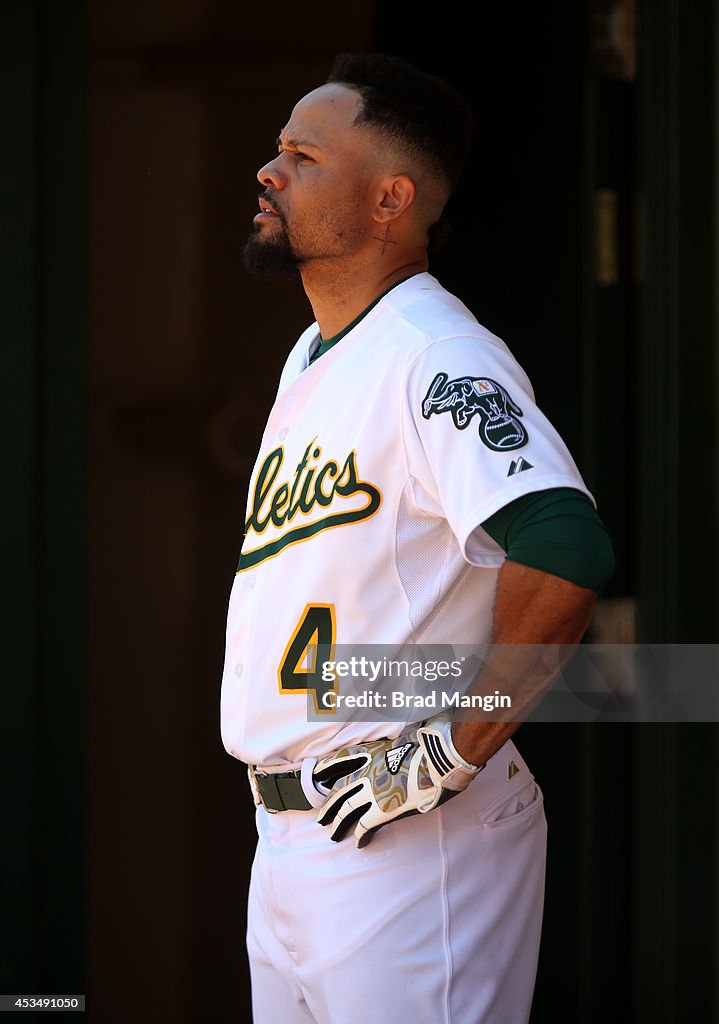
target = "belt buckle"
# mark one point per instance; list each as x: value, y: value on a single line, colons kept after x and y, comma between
x: 253, y: 775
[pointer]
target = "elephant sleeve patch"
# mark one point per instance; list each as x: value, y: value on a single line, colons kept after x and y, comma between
x: 499, y: 425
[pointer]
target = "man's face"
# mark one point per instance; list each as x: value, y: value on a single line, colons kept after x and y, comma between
x: 317, y: 189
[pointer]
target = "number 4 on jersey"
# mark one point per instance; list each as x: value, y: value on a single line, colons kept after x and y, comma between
x: 310, y: 646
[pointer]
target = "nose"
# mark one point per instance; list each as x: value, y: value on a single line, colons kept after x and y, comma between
x: 271, y: 174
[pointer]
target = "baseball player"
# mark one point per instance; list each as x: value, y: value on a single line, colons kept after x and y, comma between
x: 407, y: 491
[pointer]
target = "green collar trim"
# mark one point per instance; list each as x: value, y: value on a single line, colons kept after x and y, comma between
x: 326, y: 345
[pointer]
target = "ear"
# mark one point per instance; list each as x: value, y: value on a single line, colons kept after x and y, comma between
x: 396, y: 196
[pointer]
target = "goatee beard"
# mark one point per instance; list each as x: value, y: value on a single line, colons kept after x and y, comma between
x: 270, y: 258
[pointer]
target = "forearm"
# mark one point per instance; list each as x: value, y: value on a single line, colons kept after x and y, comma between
x: 532, y: 610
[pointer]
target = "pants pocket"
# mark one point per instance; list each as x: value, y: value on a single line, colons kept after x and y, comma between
x: 519, y: 804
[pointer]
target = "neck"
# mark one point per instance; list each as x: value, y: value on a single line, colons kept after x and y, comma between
x: 339, y: 293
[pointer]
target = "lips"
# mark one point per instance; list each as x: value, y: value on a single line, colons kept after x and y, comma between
x: 267, y: 208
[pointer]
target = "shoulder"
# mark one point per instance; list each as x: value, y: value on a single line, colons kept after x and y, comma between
x: 427, y: 315
x: 424, y: 304
x: 437, y: 333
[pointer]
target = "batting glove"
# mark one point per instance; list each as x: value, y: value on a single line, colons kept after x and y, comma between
x: 384, y: 780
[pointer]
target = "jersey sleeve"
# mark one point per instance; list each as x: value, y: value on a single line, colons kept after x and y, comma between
x: 475, y: 439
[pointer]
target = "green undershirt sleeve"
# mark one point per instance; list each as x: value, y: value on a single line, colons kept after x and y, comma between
x: 556, y: 531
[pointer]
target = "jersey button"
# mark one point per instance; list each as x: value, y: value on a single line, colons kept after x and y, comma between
x: 239, y: 668
x: 283, y: 434
x: 251, y: 580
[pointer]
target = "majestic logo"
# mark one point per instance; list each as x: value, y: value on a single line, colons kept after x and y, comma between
x: 465, y: 397
x: 396, y: 756
x: 312, y: 488
x: 519, y: 465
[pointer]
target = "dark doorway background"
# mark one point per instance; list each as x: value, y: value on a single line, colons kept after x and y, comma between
x: 523, y: 257
x: 141, y: 364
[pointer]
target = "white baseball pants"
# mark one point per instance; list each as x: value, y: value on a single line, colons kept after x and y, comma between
x: 437, y: 921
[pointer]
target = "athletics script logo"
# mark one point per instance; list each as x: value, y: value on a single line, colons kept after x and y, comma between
x: 465, y: 397
x: 326, y: 493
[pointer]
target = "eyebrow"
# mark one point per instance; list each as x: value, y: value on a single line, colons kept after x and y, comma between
x: 295, y: 144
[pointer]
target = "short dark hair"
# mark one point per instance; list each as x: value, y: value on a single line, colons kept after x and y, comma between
x: 418, y: 110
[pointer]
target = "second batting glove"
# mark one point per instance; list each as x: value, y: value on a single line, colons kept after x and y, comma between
x: 375, y: 783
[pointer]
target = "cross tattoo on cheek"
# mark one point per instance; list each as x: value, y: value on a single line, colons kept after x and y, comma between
x: 385, y: 240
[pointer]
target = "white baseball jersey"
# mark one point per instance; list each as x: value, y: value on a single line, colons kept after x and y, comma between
x: 377, y: 467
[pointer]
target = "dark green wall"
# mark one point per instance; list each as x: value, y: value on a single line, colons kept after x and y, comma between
x: 42, y: 303
x: 676, y: 453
